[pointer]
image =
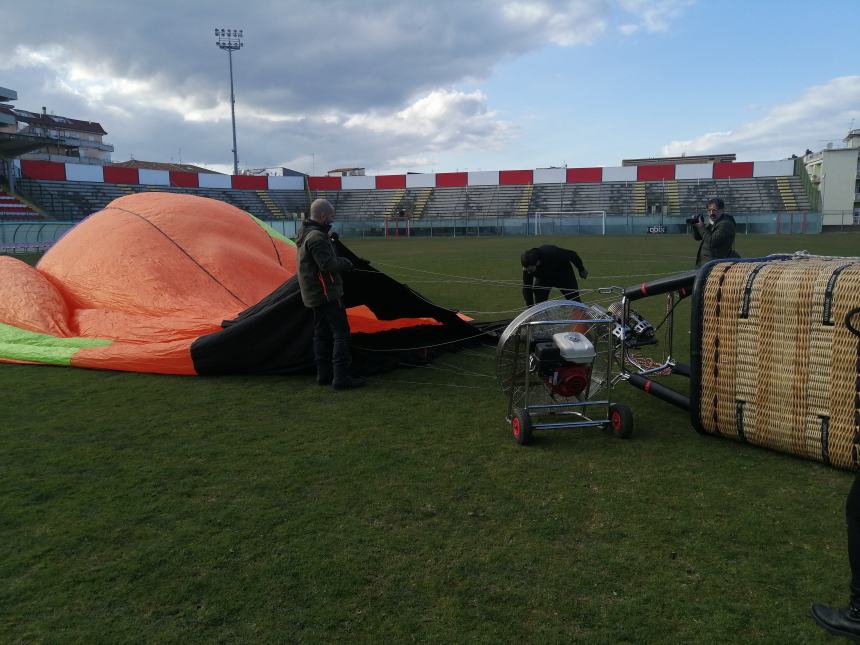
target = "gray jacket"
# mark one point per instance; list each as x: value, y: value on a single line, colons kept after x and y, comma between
x: 319, y: 266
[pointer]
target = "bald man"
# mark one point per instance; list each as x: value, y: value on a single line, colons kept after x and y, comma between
x: 322, y: 291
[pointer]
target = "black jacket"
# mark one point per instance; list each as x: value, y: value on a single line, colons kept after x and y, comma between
x: 554, y: 270
x: 718, y: 240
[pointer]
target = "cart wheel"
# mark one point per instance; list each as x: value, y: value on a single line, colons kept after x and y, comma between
x: 521, y: 424
x: 620, y: 421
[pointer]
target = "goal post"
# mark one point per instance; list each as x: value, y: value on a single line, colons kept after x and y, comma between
x: 575, y: 221
x: 397, y: 227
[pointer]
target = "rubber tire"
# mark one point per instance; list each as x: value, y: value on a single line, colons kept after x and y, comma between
x: 620, y: 421
x: 521, y: 425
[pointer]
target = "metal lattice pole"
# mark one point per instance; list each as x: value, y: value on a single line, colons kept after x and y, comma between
x: 230, y: 40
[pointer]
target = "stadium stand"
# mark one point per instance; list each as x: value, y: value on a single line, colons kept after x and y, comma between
x: 67, y: 193
x: 13, y: 209
x: 361, y: 204
x: 755, y: 195
x: 76, y: 200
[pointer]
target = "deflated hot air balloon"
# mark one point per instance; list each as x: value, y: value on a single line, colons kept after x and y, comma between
x: 179, y: 284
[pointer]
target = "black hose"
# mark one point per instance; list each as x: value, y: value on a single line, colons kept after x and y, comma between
x: 681, y: 368
x: 661, y: 285
x: 660, y: 391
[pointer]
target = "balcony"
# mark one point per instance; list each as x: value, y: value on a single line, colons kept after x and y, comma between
x: 73, y: 140
x: 79, y: 142
x: 71, y: 158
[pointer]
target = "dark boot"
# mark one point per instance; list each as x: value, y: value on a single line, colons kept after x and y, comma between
x: 325, y: 374
x: 323, y: 354
x: 343, y: 380
x: 843, y: 622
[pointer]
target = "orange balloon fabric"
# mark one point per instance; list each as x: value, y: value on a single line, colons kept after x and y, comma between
x: 135, y: 285
x: 163, y: 254
x: 146, y: 276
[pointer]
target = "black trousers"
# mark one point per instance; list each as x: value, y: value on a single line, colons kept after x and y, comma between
x: 331, y: 336
x: 852, y: 518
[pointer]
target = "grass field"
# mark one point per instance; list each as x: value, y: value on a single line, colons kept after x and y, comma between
x: 151, y: 508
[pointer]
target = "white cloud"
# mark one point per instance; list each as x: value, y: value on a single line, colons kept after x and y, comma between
x: 818, y: 113
x: 445, y: 119
x: 26, y: 57
x: 370, y: 82
x: 654, y: 15
x: 563, y: 23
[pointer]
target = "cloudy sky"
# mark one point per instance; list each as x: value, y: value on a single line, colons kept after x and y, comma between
x: 413, y: 85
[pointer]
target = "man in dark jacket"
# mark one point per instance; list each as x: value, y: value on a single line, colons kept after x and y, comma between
x: 716, y: 232
x: 845, y: 621
x: 322, y: 291
x: 546, y: 267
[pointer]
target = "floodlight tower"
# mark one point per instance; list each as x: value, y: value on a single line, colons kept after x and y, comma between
x: 230, y: 40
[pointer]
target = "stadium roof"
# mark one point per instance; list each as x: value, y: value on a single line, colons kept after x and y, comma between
x: 158, y: 165
x: 51, y: 121
x: 658, y: 161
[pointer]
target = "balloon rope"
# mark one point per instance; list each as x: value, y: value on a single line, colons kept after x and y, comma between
x: 462, y: 387
x: 411, y: 349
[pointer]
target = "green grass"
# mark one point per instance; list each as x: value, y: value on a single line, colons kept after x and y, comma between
x: 138, y: 507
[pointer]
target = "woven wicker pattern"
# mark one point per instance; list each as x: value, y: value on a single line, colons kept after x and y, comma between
x: 779, y: 366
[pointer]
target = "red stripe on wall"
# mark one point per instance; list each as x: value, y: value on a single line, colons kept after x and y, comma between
x: 185, y: 179
x: 391, y: 181
x: 118, y: 175
x: 515, y: 177
x: 324, y: 183
x: 451, y: 179
x: 737, y: 170
x: 35, y: 169
x: 250, y: 182
x: 655, y: 173
x: 584, y: 175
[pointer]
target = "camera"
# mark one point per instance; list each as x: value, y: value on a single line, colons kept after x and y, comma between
x: 695, y: 219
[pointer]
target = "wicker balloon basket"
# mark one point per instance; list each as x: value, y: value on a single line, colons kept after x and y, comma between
x: 774, y: 361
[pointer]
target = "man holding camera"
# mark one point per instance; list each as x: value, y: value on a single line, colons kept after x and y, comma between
x: 716, y: 232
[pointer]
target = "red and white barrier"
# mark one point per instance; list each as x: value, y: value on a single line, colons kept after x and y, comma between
x: 49, y: 170
x: 550, y: 175
x: 694, y: 171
